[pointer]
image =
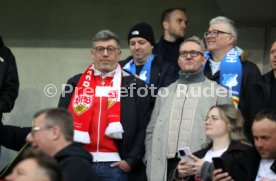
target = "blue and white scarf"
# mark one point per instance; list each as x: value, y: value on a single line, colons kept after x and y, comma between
x: 231, y: 72
x: 145, y: 72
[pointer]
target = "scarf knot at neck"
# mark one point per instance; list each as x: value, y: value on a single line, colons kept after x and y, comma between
x: 83, y: 102
x: 144, y: 73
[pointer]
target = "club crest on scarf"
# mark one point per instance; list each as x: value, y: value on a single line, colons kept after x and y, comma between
x: 230, y: 80
x: 112, y: 98
x: 82, y: 103
x: 230, y: 72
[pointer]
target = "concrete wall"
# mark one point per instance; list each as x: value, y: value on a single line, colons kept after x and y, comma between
x: 51, y: 41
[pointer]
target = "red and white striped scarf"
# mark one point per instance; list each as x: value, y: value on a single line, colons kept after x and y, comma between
x: 81, y: 105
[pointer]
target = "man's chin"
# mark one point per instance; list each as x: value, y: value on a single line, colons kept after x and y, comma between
x: 265, y: 155
x: 107, y: 68
x: 188, y: 70
x: 137, y: 57
x: 181, y: 35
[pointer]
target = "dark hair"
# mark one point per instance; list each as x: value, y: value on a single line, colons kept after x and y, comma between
x: 60, y: 117
x: 165, y: 15
x: 266, y: 113
x: 49, y: 165
x: 274, y: 41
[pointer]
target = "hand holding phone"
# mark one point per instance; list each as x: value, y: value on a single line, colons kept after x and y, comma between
x: 184, y: 154
x: 218, y: 163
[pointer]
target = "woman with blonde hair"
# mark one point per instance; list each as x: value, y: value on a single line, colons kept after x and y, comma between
x: 224, y: 128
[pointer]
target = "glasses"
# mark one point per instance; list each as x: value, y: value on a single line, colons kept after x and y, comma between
x: 214, y: 33
x: 101, y: 50
x: 37, y: 128
x: 192, y: 53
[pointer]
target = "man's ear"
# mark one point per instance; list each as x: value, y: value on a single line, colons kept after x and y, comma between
x: 92, y: 52
x: 119, y: 52
x: 56, y: 132
x: 203, y: 60
x: 232, y: 39
x: 152, y: 47
x: 165, y: 25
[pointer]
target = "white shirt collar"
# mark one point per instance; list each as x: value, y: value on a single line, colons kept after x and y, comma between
x: 215, y: 66
x: 97, y: 72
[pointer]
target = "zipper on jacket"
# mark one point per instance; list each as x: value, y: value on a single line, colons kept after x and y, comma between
x: 181, y: 118
x: 99, y: 118
x: 99, y: 124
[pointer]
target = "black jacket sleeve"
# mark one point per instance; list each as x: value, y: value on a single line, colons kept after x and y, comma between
x: 9, y: 81
x: 73, y: 166
x: 13, y: 137
x: 67, y: 93
x: 143, y: 112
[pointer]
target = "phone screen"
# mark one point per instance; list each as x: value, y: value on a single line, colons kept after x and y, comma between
x: 218, y: 163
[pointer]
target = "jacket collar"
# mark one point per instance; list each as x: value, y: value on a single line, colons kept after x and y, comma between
x: 188, y: 78
x: 178, y: 41
x: 268, y: 77
x: 238, y: 146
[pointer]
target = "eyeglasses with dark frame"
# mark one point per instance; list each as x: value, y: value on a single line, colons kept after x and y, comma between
x: 37, y: 128
x: 193, y: 53
x: 110, y: 50
x: 214, y: 33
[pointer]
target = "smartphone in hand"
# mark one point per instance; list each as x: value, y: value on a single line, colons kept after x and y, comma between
x: 184, y: 152
x: 218, y: 163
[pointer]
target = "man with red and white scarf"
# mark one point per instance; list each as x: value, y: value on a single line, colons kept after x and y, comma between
x: 111, y: 112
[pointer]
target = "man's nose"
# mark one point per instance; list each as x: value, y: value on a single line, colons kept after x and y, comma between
x: 258, y: 143
x: 30, y: 138
x: 10, y: 177
x: 184, y: 24
x: 105, y: 52
x: 189, y: 55
x: 137, y: 46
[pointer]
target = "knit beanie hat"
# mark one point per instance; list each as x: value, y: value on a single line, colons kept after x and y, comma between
x: 142, y: 30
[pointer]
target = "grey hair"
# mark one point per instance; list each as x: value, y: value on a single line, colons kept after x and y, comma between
x: 196, y: 40
x: 60, y: 117
x: 105, y: 35
x: 230, y: 23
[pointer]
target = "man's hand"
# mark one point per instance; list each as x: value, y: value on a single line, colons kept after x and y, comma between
x: 123, y: 165
x: 218, y: 175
